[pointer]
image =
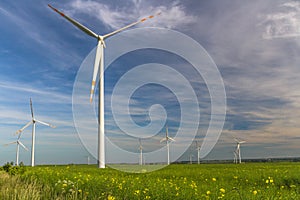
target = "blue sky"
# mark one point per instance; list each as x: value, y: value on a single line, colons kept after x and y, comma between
x: 255, y: 46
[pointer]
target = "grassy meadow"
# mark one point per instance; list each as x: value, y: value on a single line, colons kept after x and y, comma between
x: 177, y: 181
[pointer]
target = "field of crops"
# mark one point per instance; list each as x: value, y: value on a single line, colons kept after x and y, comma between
x: 177, y: 181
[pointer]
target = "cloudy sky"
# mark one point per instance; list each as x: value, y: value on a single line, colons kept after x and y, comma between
x: 255, y: 46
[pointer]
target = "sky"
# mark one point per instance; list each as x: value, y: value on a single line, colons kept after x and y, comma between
x: 253, y: 45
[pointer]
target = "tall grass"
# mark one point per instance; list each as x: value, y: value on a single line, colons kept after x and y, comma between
x: 12, y: 188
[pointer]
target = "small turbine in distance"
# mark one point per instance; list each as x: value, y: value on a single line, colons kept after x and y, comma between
x: 99, y: 66
x: 19, y: 143
x: 235, y: 157
x: 167, y: 139
x: 198, y: 147
x: 33, y: 122
x: 238, y: 149
x: 141, y: 152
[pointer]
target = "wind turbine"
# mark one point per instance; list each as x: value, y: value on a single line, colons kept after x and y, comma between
x: 99, y: 65
x: 33, y: 121
x: 238, y: 149
x: 198, y: 152
x: 141, y: 151
x: 235, y: 157
x: 18, y: 142
x: 191, y: 158
x: 167, y: 139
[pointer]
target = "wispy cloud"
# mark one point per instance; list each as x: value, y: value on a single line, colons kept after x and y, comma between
x: 172, y: 16
x: 284, y: 23
x: 24, y: 88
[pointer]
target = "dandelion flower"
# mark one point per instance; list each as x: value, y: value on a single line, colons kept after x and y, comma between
x: 137, y: 192
x: 214, y: 179
x: 254, y: 192
x: 222, y: 190
x: 208, y: 192
x: 267, y: 181
x: 110, y: 197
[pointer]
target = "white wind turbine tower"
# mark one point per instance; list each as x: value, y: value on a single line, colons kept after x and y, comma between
x: 238, y: 149
x: 198, y: 152
x: 167, y: 139
x: 88, y: 160
x: 141, y: 152
x: 33, y: 121
x: 19, y: 143
x: 235, y: 157
x: 99, y: 65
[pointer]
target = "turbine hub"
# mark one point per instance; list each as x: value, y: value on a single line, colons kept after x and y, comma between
x: 101, y: 38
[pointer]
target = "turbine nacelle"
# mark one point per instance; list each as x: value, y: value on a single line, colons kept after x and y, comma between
x: 101, y: 39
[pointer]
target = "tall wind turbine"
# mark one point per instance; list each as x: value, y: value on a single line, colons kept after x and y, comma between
x: 33, y: 121
x: 167, y: 139
x: 141, y: 152
x: 99, y: 65
x: 238, y: 149
x: 19, y: 143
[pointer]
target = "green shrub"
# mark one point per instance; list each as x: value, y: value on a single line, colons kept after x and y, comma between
x: 13, y: 170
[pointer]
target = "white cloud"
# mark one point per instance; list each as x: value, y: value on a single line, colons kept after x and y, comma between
x: 172, y: 16
x: 283, y: 24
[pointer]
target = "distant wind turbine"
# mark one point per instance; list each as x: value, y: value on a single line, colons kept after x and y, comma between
x: 19, y: 143
x: 167, y: 139
x: 33, y: 122
x: 191, y: 158
x: 99, y: 65
x: 198, y: 151
x: 141, y: 152
x: 235, y: 157
x: 238, y: 149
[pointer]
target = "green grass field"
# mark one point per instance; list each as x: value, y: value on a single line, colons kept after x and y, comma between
x: 177, y: 181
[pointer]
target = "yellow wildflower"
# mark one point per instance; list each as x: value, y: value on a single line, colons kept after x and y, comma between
x: 222, y: 190
x: 110, y: 197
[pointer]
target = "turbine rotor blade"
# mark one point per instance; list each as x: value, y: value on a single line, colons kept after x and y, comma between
x: 20, y: 143
x: 31, y: 108
x: 162, y: 140
x: 44, y: 123
x: 130, y: 25
x: 171, y: 139
x: 22, y: 129
x: 9, y: 143
x: 75, y: 23
x: 96, y: 68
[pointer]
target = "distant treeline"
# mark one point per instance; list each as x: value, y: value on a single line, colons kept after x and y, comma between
x: 294, y: 159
